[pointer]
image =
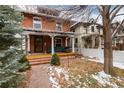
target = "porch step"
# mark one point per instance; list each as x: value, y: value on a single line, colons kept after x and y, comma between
x: 40, y: 59
x: 38, y: 63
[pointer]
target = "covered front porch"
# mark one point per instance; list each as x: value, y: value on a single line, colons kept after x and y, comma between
x: 48, y: 42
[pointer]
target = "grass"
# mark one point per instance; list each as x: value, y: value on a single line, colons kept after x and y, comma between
x: 81, y: 71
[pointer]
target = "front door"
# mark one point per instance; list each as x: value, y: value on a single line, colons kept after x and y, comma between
x: 38, y: 44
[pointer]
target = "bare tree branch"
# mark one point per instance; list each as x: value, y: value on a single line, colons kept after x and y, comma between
x: 119, y: 14
x: 117, y: 28
x: 113, y: 9
x: 115, y: 12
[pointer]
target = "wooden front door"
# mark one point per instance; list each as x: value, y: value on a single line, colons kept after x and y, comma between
x: 38, y: 44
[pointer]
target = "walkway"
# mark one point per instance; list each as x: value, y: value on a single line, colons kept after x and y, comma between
x: 39, y: 77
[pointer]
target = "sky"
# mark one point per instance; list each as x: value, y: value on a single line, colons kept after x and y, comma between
x: 94, y: 14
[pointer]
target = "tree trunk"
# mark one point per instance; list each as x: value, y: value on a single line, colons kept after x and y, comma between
x: 108, y: 55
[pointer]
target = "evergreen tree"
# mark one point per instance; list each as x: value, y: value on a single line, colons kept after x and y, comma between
x: 10, y: 53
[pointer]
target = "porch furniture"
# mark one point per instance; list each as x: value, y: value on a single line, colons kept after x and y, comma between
x: 60, y: 49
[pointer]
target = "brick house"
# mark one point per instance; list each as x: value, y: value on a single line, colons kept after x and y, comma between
x: 44, y: 32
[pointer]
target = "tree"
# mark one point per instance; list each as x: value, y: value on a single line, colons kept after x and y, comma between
x: 108, y: 14
x: 10, y: 53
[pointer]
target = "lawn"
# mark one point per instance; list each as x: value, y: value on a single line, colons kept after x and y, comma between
x: 82, y: 73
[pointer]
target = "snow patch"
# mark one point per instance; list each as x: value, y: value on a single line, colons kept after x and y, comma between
x: 104, y: 79
x: 54, y: 72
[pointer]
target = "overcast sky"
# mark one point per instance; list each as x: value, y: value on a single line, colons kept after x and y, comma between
x: 92, y: 7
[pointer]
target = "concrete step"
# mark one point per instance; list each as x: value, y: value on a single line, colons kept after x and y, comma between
x: 38, y: 63
x: 43, y: 60
x: 38, y: 60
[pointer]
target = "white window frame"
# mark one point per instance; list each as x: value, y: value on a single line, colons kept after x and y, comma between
x: 58, y: 24
x: 56, y: 42
x: 40, y: 22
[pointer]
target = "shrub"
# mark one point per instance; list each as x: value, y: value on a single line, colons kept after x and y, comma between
x: 55, y: 60
x: 24, y: 61
x: 11, y: 65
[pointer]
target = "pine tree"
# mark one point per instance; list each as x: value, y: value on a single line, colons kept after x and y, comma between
x: 10, y: 53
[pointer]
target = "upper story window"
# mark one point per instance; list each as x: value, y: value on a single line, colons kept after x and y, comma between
x: 37, y: 24
x: 86, y: 28
x: 92, y: 28
x: 58, y: 27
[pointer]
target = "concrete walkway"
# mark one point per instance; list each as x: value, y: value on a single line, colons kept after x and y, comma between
x: 39, y: 77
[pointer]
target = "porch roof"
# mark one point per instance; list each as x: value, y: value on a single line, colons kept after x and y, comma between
x: 31, y: 31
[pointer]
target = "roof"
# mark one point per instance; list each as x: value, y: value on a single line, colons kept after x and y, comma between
x: 77, y: 24
x: 45, y: 32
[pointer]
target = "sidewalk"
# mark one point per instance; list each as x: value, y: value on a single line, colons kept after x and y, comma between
x: 39, y: 77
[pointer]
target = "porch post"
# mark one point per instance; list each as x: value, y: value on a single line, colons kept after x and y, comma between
x: 66, y: 43
x: 73, y: 49
x: 28, y: 41
x: 52, y: 44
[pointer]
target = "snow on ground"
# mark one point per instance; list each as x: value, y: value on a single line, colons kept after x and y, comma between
x: 55, y: 75
x: 105, y: 79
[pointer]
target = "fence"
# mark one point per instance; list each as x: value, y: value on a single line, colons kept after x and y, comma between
x: 118, y: 56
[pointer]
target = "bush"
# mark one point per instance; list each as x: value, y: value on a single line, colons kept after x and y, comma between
x: 55, y: 60
x: 11, y: 65
x: 12, y: 82
x: 24, y: 61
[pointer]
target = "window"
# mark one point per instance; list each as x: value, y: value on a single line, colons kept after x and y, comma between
x: 58, y: 27
x: 86, y: 30
x: 58, y: 42
x: 92, y: 28
x: 37, y: 23
x: 76, y: 42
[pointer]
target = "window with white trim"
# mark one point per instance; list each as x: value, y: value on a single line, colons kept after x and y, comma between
x: 58, y: 27
x: 58, y: 42
x: 92, y: 28
x: 37, y: 24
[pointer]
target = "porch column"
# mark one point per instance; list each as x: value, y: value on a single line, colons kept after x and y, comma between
x: 28, y: 41
x: 73, y: 50
x: 52, y: 44
x: 66, y: 43
x: 93, y: 41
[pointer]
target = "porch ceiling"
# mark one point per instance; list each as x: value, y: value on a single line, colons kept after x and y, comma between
x: 46, y: 32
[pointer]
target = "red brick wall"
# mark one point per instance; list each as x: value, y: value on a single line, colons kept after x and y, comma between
x: 47, y: 23
x: 66, y: 27
x: 28, y: 21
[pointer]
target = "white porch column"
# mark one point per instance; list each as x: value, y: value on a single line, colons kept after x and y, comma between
x: 28, y: 41
x: 66, y: 43
x: 52, y: 44
x: 73, y: 49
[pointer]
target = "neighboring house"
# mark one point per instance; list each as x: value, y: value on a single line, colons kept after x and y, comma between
x: 119, y: 37
x: 88, y: 35
x: 45, y: 31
